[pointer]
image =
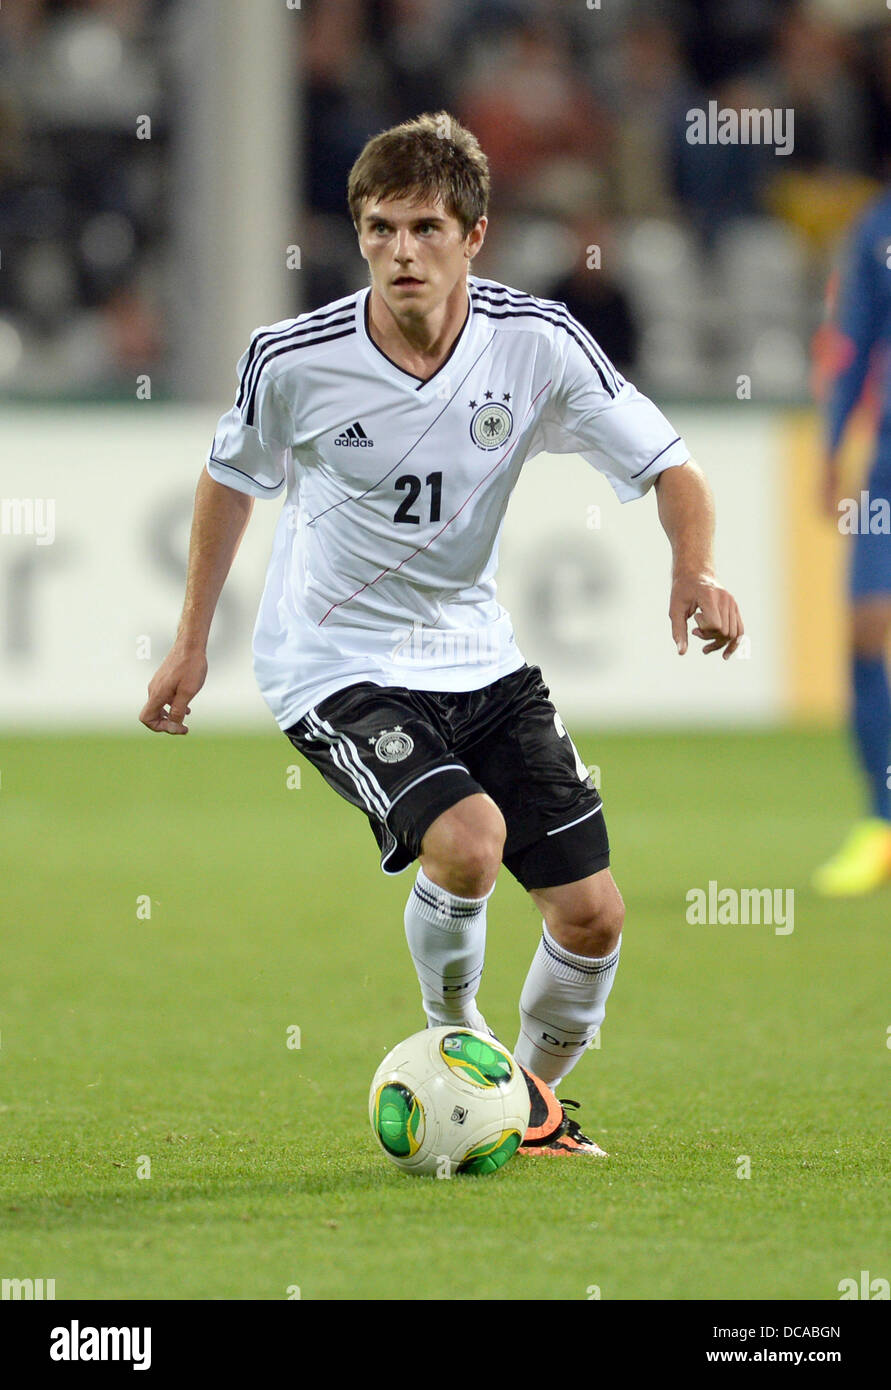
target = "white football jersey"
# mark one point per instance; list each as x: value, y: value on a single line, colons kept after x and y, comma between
x: 384, y: 559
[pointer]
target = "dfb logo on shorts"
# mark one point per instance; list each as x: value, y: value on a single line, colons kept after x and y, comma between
x: 392, y: 746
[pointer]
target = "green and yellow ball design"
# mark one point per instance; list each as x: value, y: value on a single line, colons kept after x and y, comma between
x: 493, y: 1154
x: 478, y: 1061
x: 398, y: 1119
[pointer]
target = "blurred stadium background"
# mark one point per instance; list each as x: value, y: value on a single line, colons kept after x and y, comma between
x: 173, y: 174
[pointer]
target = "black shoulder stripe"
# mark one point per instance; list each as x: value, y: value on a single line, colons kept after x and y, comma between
x: 270, y: 354
x: 262, y: 341
x: 551, y: 306
x: 537, y: 314
x: 259, y: 341
x: 520, y: 298
x: 561, y: 316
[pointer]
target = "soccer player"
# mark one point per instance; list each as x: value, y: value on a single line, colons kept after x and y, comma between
x: 396, y: 421
x: 861, y: 338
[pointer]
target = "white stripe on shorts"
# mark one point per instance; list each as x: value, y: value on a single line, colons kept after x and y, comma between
x: 345, y: 755
x: 577, y: 821
x: 424, y: 775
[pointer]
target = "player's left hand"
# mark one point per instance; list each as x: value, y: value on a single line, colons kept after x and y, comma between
x: 714, y: 611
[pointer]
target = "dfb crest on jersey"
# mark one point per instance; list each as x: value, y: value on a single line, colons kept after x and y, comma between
x: 392, y: 745
x: 490, y: 425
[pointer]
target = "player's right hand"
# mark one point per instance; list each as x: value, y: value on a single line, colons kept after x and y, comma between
x: 176, y: 681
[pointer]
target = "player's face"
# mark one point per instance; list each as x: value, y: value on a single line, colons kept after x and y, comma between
x: 417, y: 254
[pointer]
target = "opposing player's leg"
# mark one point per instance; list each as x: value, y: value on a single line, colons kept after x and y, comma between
x: 863, y: 863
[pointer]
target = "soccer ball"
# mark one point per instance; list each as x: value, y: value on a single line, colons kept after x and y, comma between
x: 449, y: 1100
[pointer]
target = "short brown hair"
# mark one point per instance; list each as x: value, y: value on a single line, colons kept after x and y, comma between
x: 429, y: 157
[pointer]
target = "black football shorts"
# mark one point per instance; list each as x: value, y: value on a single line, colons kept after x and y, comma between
x: 405, y: 756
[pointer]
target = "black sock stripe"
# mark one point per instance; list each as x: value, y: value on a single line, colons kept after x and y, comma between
x: 454, y: 909
x: 600, y: 969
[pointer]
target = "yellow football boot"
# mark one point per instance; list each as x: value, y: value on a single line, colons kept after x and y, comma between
x: 861, y: 865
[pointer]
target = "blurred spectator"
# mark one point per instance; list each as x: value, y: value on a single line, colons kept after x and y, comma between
x: 827, y: 178
x: 876, y: 65
x: 718, y: 183
x: 593, y: 295
x: 582, y: 112
x: 812, y: 72
x: 420, y: 43
x: 80, y: 211
x: 652, y: 91
x: 527, y: 105
x: 728, y: 39
x: 338, y: 70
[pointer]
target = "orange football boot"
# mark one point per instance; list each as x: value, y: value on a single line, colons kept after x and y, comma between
x: 552, y: 1133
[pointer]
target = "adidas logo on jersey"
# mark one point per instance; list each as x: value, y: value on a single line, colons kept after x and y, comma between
x: 355, y: 437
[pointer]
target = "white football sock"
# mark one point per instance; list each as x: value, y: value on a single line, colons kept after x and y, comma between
x: 447, y: 939
x: 561, y: 1007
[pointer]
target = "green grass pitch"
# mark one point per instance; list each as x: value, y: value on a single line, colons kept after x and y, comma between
x: 125, y: 1039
